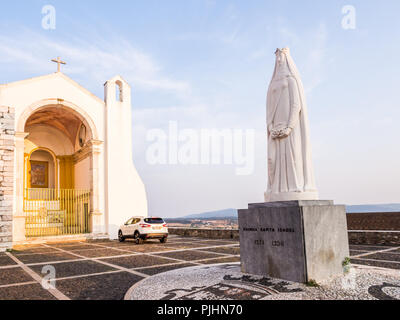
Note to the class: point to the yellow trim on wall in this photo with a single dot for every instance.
(67, 177)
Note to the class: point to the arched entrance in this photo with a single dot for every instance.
(58, 181)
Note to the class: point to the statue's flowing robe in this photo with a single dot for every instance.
(290, 172)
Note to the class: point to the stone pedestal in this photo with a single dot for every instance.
(294, 240)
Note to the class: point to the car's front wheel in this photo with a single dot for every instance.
(121, 237)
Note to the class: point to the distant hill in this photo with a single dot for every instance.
(232, 213)
(392, 207)
(227, 213)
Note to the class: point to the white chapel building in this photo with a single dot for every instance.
(66, 168)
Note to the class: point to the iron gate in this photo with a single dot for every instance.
(56, 212)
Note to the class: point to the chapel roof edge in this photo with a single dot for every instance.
(52, 75)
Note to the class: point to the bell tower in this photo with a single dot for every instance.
(125, 191)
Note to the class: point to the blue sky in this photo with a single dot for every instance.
(207, 64)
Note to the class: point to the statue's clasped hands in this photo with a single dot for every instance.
(281, 133)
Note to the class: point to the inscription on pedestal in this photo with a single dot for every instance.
(272, 242)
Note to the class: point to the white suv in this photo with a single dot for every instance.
(140, 229)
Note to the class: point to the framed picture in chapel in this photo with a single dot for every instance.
(39, 174)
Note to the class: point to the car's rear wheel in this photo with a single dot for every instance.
(138, 239)
(164, 240)
(121, 237)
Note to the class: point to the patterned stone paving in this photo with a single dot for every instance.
(226, 282)
(152, 271)
(13, 275)
(138, 261)
(220, 260)
(45, 257)
(376, 256)
(77, 268)
(5, 260)
(107, 269)
(27, 291)
(100, 270)
(99, 287)
(218, 282)
(226, 250)
(189, 255)
(99, 253)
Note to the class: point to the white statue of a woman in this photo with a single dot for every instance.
(290, 170)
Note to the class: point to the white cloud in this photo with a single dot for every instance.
(90, 59)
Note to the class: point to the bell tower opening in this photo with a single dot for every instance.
(119, 91)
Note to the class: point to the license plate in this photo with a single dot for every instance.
(157, 228)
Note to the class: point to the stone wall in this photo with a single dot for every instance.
(389, 221)
(384, 238)
(206, 233)
(376, 238)
(7, 133)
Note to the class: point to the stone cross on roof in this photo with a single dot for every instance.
(59, 63)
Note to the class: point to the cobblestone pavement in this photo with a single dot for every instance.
(105, 270)
(102, 270)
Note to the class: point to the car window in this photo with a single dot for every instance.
(135, 221)
(129, 221)
(154, 220)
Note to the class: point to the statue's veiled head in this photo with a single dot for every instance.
(282, 67)
(282, 52)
